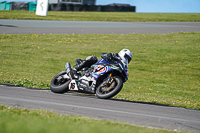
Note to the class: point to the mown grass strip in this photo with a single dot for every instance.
(14, 119)
(165, 67)
(103, 16)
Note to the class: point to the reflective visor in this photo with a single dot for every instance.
(127, 57)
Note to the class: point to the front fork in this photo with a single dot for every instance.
(69, 70)
(109, 80)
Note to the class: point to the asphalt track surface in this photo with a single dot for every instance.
(136, 113)
(89, 27)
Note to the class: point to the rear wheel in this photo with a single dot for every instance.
(59, 84)
(109, 89)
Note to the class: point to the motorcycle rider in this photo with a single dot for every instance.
(124, 57)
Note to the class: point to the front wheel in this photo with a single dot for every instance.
(108, 90)
(59, 84)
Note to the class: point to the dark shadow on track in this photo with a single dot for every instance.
(8, 25)
(112, 99)
(7, 84)
(118, 100)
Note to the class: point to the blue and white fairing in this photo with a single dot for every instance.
(101, 68)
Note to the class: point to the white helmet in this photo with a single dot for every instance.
(125, 55)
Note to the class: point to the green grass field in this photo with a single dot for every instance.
(165, 67)
(40, 121)
(103, 16)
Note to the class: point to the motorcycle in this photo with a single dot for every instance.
(104, 78)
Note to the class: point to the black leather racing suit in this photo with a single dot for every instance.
(90, 60)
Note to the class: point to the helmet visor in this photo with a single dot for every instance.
(127, 57)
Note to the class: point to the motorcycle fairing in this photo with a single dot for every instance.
(79, 85)
(102, 66)
(73, 85)
(100, 70)
(82, 84)
(102, 61)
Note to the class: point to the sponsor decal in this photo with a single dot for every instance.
(94, 75)
(84, 82)
(100, 69)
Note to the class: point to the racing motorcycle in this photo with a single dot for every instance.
(104, 78)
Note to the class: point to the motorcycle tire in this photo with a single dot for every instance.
(61, 87)
(114, 90)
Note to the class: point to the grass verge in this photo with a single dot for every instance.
(103, 16)
(32, 121)
(165, 67)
